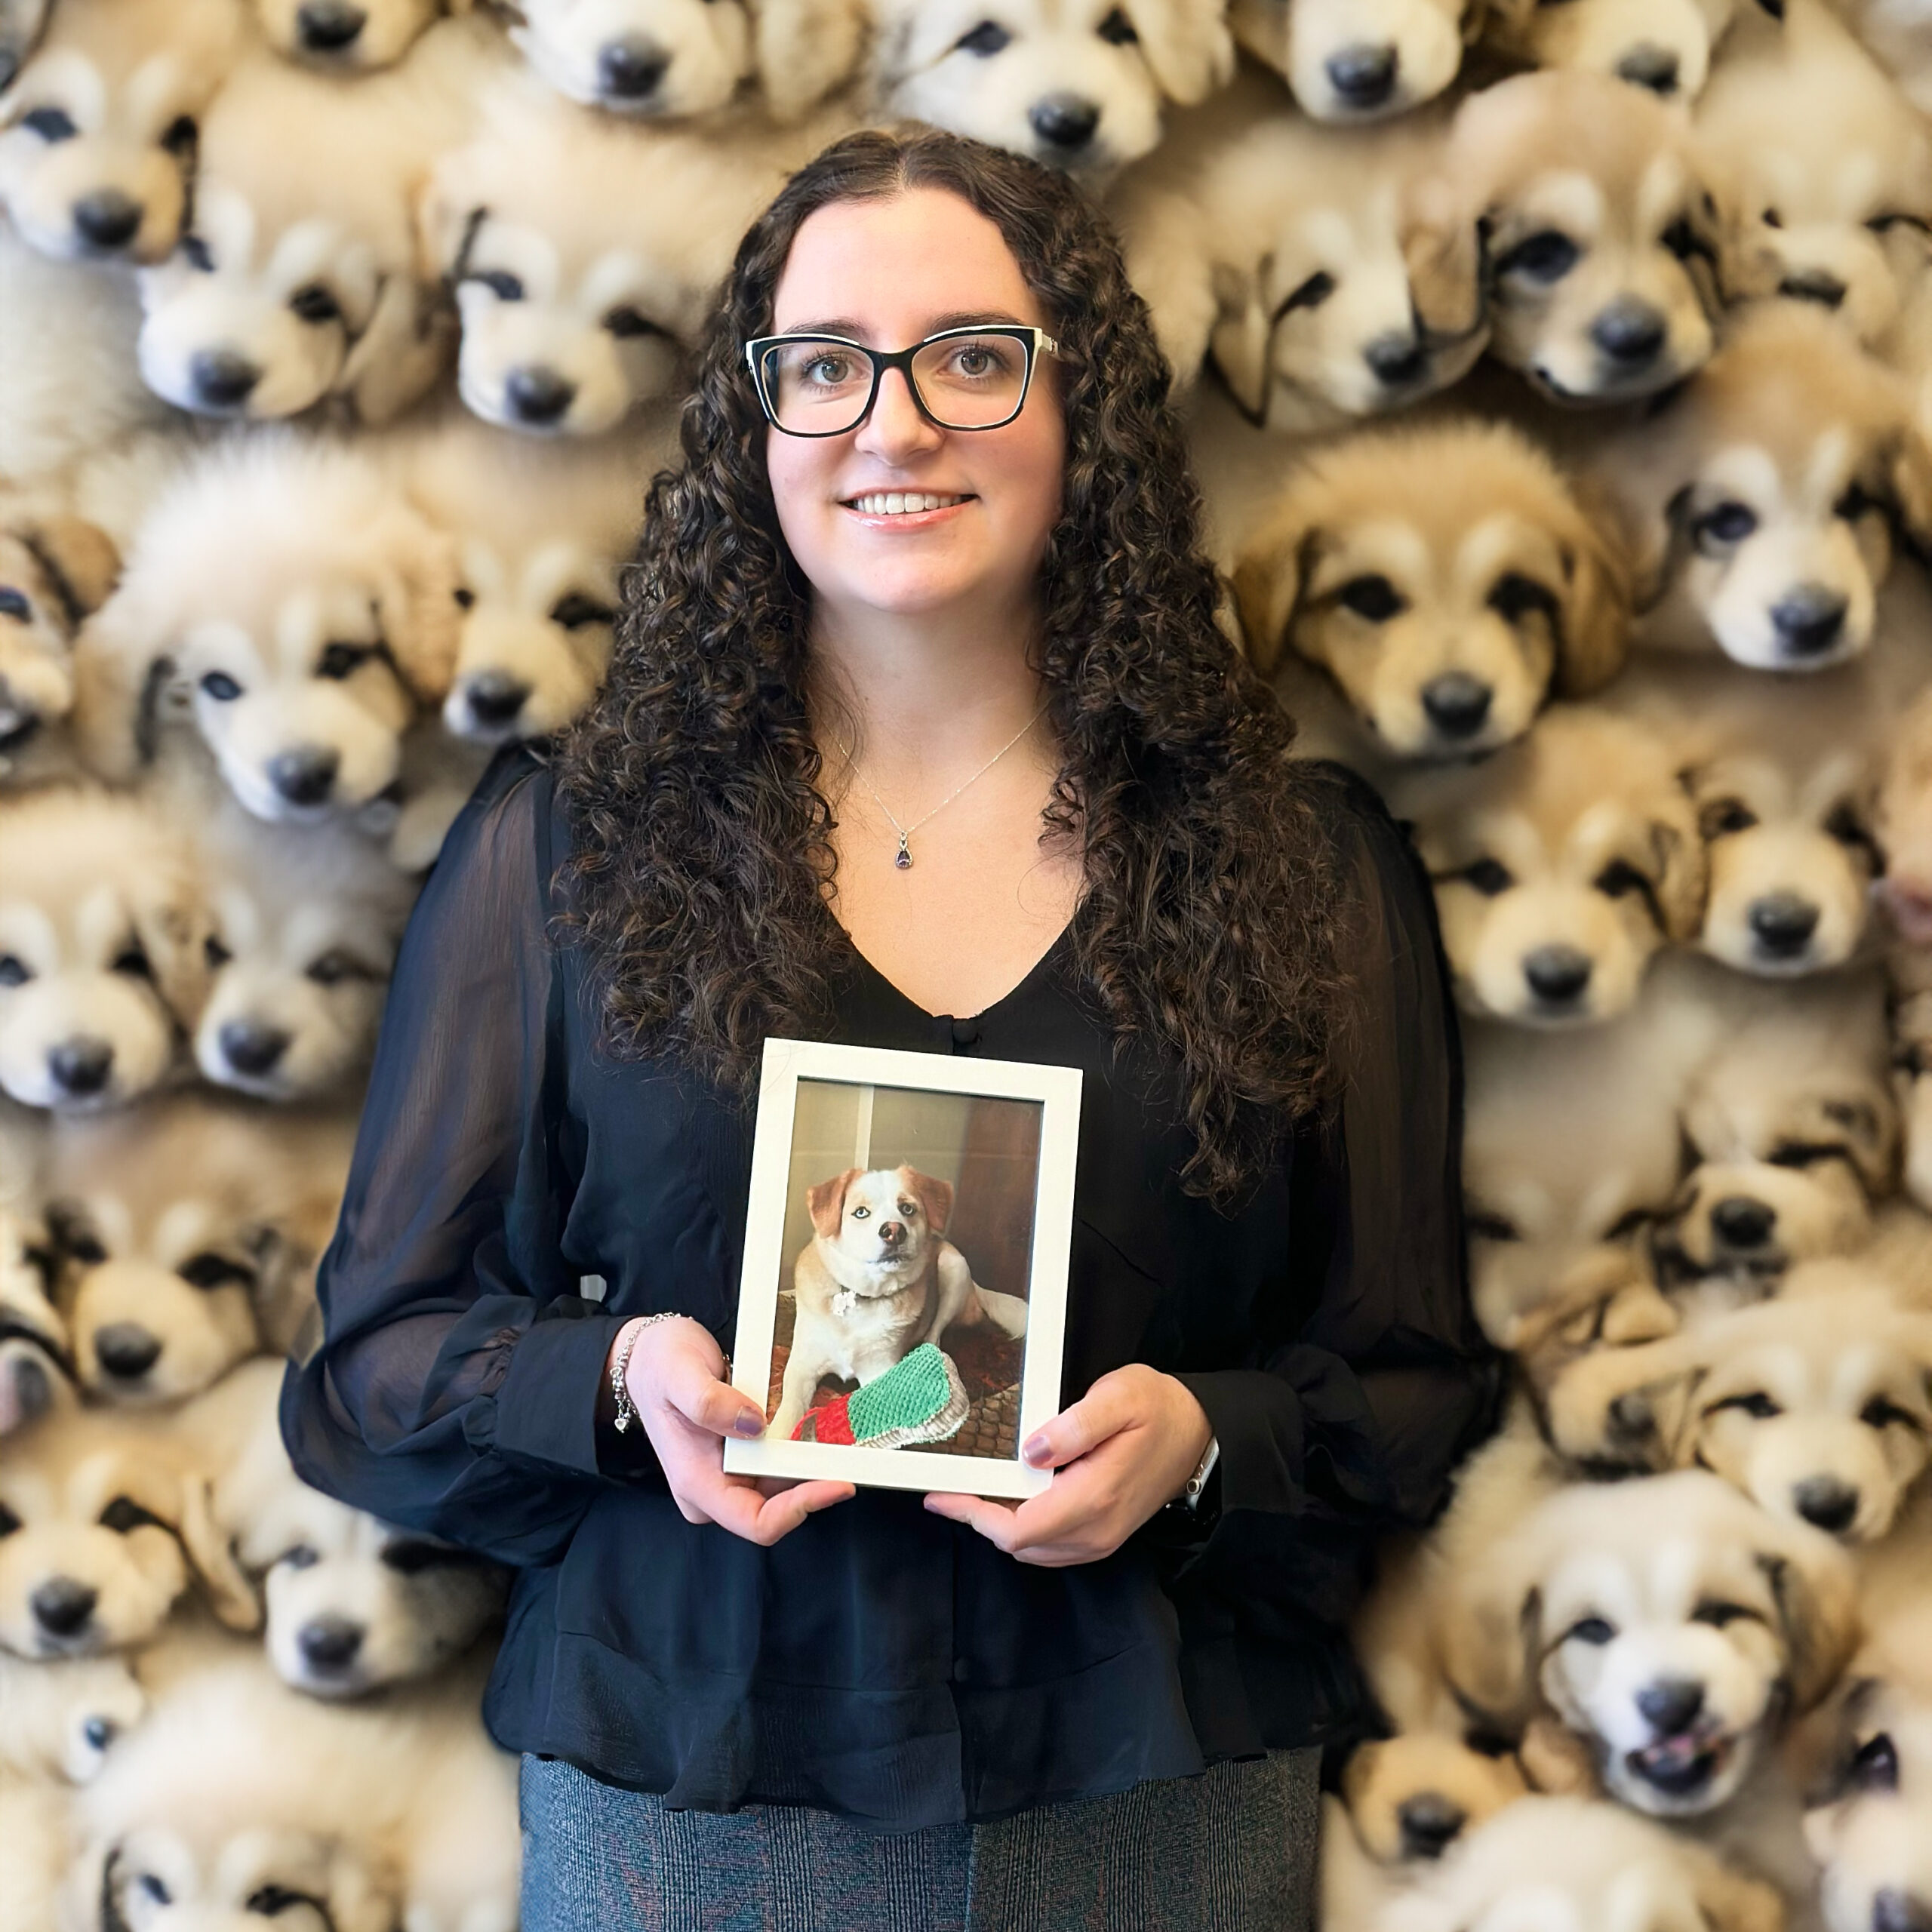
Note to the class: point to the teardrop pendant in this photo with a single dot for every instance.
(904, 860)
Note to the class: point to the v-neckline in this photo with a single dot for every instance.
(1013, 993)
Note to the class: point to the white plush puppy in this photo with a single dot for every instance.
(303, 611)
(188, 1231)
(676, 58)
(101, 925)
(54, 569)
(1359, 59)
(1079, 85)
(297, 280)
(1665, 45)
(97, 131)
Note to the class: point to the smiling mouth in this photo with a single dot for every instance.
(1682, 1766)
(901, 503)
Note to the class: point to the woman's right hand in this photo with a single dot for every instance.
(675, 1377)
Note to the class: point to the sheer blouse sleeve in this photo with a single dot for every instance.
(1347, 1421)
(454, 1389)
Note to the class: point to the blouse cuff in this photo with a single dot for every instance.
(547, 1405)
(1257, 1419)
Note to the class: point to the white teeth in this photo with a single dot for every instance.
(900, 503)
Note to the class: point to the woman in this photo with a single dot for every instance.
(919, 711)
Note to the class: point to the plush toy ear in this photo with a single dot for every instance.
(1492, 1637)
(1815, 1588)
(231, 1595)
(121, 675)
(446, 219)
(1268, 580)
(1186, 44)
(1442, 251)
(1242, 337)
(1596, 621)
(805, 48)
(79, 562)
(422, 620)
(1910, 479)
(935, 1197)
(826, 1202)
(408, 342)
(1627, 1407)
(1683, 875)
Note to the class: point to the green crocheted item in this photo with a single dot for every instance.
(919, 1399)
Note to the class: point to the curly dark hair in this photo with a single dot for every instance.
(1210, 921)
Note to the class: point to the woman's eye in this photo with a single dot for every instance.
(830, 370)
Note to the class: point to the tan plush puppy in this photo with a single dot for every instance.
(97, 131)
(36, 1366)
(1759, 503)
(1664, 45)
(1561, 864)
(1080, 84)
(188, 1231)
(1597, 235)
(351, 37)
(54, 569)
(673, 59)
(1448, 616)
(1358, 59)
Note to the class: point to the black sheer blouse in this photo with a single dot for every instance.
(880, 1662)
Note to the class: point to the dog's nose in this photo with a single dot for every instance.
(1363, 76)
(1826, 1502)
(107, 218)
(81, 1066)
(494, 698)
(1630, 331)
(329, 1643)
(1895, 1911)
(891, 1233)
(1650, 66)
(1738, 1221)
(1782, 923)
(327, 26)
(61, 1607)
(126, 1350)
(1814, 285)
(631, 69)
(1671, 1704)
(1428, 1822)
(251, 1048)
(220, 378)
(1809, 619)
(1557, 973)
(1457, 703)
(1064, 121)
(305, 774)
(1396, 360)
(538, 395)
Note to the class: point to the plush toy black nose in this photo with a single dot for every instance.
(126, 1350)
(329, 1643)
(1738, 1221)
(107, 218)
(537, 395)
(1064, 121)
(1814, 285)
(1557, 973)
(327, 26)
(80, 1066)
(1630, 332)
(1428, 1822)
(1396, 360)
(1650, 66)
(221, 379)
(1670, 1705)
(61, 1606)
(1457, 703)
(1782, 923)
(1826, 1502)
(1809, 619)
(631, 69)
(249, 1047)
(1894, 1911)
(304, 774)
(1364, 76)
(891, 1233)
(495, 697)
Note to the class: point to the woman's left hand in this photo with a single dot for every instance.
(1126, 1447)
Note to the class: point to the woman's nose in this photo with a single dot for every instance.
(896, 429)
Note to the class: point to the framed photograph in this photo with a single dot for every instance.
(903, 1302)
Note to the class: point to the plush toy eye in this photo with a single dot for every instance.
(1882, 1412)
(331, 968)
(195, 252)
(1756, 1405)
(1857, 501)
(625, 322)
(987, 39)
(1489, 876)
(1772, 219)
(13, 970)
(210, 1270)
(862, 1214)
(1723, 816)
(299, 1556)
(339, 660)
(574, 610)
(1874, 1765)
(220, 686)
(51, 123)
(1718, 1614)
(1117, 28)
(272, 1900)
(1620, 878)
(504, 286)
(466, 597)
(1309, 294)
(315, 303)
(156, 1890)
(100, 1732)
(14, 603)
(1548, 255)
(1729, 523)
(1514, 596)
(1591, 1630)
(83, 1247)
(1374, 598)
(215, 953)
(124, 1514)
(181, 135)
(9, 1522)
(1684, 241)
(1486, 1226)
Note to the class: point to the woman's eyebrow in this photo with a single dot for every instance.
(961, 318)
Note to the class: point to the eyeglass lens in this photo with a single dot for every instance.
(966, 382)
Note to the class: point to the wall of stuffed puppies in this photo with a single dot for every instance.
(1560, 377)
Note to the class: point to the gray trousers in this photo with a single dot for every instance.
(1233, 1850)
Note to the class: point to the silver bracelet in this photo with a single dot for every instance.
(620, 1363)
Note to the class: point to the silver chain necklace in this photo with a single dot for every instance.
(903, 859)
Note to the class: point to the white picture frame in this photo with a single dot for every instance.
(771, 1253)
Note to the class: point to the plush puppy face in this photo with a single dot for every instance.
(1575, 202)
(63, 1713)
(1410, 1796)
(54, 570)
(187, 1232)
(1760, 503)
(885, 1221)
(1447, 618)
(36, 1366)
(1664, 45)
(1670, 1624)
(1078, 84)
(1358, 59)
(97, 131)
(349, 36)
(157, 1880)
(302, 608)
(1560, 866)
(102, 921)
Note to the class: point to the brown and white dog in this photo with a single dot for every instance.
(878, 1278)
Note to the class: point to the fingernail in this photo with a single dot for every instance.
(749, 1422)
(1038, 1449)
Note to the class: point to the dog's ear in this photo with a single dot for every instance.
(935, 1197)
(1625, 1407)
(422, 620)
(803, 49)
(1187, 46)
(1815, 1589)
(121, 675)
(445, 219)
(1683, 873)
(230, 1593)
(826, 1202)
(1596, 620)
(409, 340)
(1241, 340)
(1442, 251)
(1268, 575)
(79, 561)
(1731, 1902)
(1910, 476)
(1492, 1635)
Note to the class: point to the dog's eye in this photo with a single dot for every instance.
(862, 1214)
(1718, 1614)
(1546, 256)
(987, 39)
(210, 1270)
(1374, 598)
(504, 286)
(156, 1890)
(124, 1514)
(181, 135)
(13, 604)
(13, 970)
(1117, 28)
(574, 610)
(1757, 1405)
(100, 1732)
(1884, 224)
(909, 1209)
(1486, 1226)
(1684, 241)
(9, 1522)
(1514, 596)
(466, 597)
(1845, 825)
(1620, 878)
(132, 960)
(1772, 219)
(271, 1899)
(1591, 1630)
(194, 251)
(624, 322)
(300, 1556)
(215, 953)
(1309, 294)
(83, 1247)
(1803, 1153)
(335, 966)
(1489, 876)
(339, 660)
(409, 1556)
(1728, 523)
(315, 303)
(1722, 816)
(1874, 1765)
(51, 123)
(1857, 501)
(1882, 1412)
(220, 686)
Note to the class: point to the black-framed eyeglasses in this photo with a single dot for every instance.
(973, 378)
